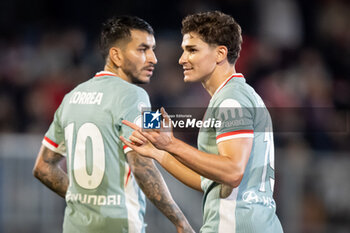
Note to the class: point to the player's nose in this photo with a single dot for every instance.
(182, 59)
(152, 57)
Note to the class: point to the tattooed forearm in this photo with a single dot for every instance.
(152, 184)
(48, 171)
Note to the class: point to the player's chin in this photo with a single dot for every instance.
(189, 79)
(145, 79)
(141, 80)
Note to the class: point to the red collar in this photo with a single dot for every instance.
(105, 73)
(237, 75)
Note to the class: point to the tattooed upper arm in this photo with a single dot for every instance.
(45, 157)
(139, 162)
(153, 185)
(48, 171)
(146, 174)
(50, 156)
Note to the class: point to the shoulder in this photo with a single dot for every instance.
(132, 95)
(117, 87)
(234, 94)
(134, 92)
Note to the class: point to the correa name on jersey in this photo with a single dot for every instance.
(81, 97)
(93, 199)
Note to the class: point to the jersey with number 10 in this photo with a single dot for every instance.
(103, 195)
(250, 207)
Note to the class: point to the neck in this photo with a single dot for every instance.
(220, 74)
(111, 67)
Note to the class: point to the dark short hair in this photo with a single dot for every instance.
(216, 28)
(119, 28)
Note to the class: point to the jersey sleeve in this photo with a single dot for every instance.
(235, 114)
(54, 137)
(132, 106)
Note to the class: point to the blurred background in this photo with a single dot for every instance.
(296, 54)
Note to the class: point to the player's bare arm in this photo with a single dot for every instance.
(152, 184)
(142, 146)
(49, 172)
(227, 168)
(180, 171)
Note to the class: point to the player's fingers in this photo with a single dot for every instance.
(130, 124)
(126, 142)
(138, 134)
(149, 136)
(136, 140)
(165, 116)
(156, 130)
(150, 131)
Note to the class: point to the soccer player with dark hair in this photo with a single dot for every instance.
(234, 162)
(102, 187)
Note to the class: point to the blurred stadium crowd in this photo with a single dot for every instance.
(293, 55)
(296, 54)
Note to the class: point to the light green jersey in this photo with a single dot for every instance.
(250, 207)
(103, 195)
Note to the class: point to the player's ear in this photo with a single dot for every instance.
(115, 54)
(221, 53)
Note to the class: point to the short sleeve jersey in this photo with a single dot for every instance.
(103, 195)
(250, 207)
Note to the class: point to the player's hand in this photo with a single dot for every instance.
(141, 145)
(161, 139)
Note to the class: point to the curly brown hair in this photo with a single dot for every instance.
(216, 28)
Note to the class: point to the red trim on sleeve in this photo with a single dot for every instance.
(127, 178)
(234, 133)
(51, 142)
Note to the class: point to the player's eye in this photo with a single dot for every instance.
(142, 49)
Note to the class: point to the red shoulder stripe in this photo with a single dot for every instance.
(51, 142)
(234, 133)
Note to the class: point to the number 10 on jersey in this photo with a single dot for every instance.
(78, 158)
